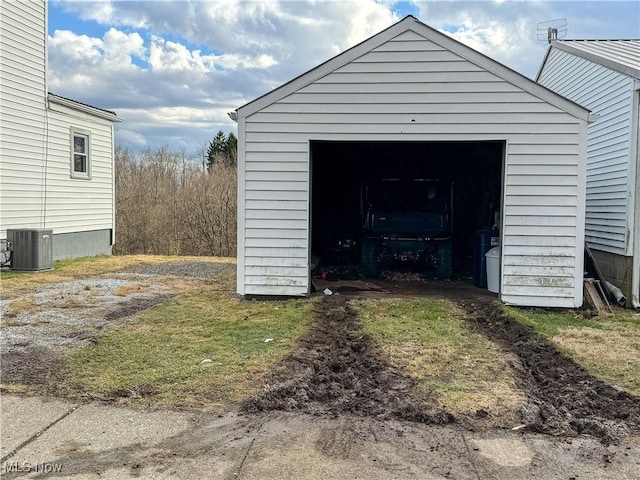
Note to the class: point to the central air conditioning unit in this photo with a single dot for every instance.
(32, 249)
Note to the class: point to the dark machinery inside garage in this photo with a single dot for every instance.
(409, 205)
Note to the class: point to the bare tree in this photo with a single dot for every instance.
(167, 204)
(200, 154)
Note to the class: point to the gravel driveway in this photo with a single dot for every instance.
(69, 314)
(37, 325)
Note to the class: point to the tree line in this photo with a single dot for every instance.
(169, 204)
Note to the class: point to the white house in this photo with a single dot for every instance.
(56, 154)
(604, 76)
(412, 98)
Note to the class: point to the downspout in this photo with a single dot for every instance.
(635, 167)
(113, 187)
(240, 242)
(581, 208)
(45, 98)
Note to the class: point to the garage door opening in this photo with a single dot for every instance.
(396, 206)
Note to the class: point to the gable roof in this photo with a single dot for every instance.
(410, 23)
(620, 55)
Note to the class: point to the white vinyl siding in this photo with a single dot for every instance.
(412, 89)
(22, 109)
(78, 204)
(609, 94)
(37, 190)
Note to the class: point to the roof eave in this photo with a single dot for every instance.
(81, 107)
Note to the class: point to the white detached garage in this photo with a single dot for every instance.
(413, 99)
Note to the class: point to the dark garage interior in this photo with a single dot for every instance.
(349, 177)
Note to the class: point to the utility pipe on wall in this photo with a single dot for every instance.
(635, 145)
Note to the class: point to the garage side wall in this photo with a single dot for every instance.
(412, 89)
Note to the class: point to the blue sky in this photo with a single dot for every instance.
(173, 69)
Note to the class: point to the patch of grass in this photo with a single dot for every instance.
(18, 306)
(429, 340)
(127, 290)
(16, 389)
(163, 351)
(609, 355)
(608, 347)
(551, 322)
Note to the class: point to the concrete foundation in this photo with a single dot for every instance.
(82, 244)
(616, 269)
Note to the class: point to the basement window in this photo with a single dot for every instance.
(80, 154)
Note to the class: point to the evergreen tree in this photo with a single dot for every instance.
(223, 149)
(231, 149)
(217, 149)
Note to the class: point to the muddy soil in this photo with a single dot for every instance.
(136, 306)
(337, 369)
(39, 366)
(562, 397)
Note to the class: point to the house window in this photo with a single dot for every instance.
(80, 154)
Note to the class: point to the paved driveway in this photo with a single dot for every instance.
(44, 438)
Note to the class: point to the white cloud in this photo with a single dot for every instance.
(237, 62)
(167, 55)
(121, 47)
(494, 38)
(178, 116)
(504, 31)
(365, 19)
(130, 138)
(115, 48)
(75, 48)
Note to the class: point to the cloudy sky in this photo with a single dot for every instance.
(173, 69)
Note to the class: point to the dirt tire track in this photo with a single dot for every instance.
(33, 366)
(337, 369)
(562, 397)
(137, 305)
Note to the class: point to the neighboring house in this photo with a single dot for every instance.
(411, 97)
(604, 76)
(56, 164)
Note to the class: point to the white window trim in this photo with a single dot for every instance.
(85, 133)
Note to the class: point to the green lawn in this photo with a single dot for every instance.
(163, 351)
(607, 346)
(430, 341)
